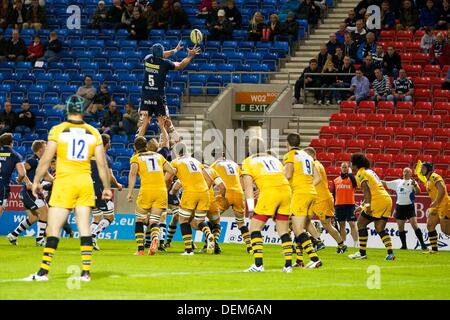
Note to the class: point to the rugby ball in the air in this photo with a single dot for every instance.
(196, 36)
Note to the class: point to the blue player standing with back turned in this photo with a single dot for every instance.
(156, 67)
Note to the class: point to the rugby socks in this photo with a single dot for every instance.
(402, 235)
(216, 229)
(94, 226)
(186, 232)
(286, 243)
(257, 246)
(41, 226)
(386, 241)
(154, 231)
(307, 246)
(148, 236)
(419, 236)
(205, 229)
(102, 225)
(171, 232)
(86, 254)
(25, 224)
(363, 237)
(246, 235)
(139, 233)
(433, 236)
(162, 233)
(47, 256)
(298, 251)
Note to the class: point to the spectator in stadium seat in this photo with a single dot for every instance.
(5, 9)
(332, 43)
(308, 10)
(164, 15)
(212, 13)
(403, 88)
(16, 50)
(444, 18)
(366, 48)
(440, 51)
(328, 80)
(100, 17)
(360, 87)
(409, 17)
(378, 57)
(179, 19)
(52, 49)
(87, 92)
(308, 81)
(17, 16)
(203, 9)
(7, 119)
(350, 21)
(36, 16)
(360, 32)
(288, 7)
(427, 40)
(25, 120)
(151, 16)
(340, 34)
(130, 119)
(255, 27)
(35, 49)
(138, 27)
(3, 47)
(110, 122)
(289, 30)
(446, 83)
(114, 15)
(387, 16)
(125, 20)
(338, 58)
(323, 57)
(344, 81)
(381, 87)
(368, 68)
(274, 27)
(392, 62)
(361, 8)
(349, 47)
(233, 14)
(221, 29)
(429, 15)
(100, 101)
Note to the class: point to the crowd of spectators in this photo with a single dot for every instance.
(357, 50)
(21, 122)
(20, 14)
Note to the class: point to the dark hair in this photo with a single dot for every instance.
(87, 76)
(360, 161)
(6, 139)
(313, 61)
(105, 139)
(140, 144)
(293, 139)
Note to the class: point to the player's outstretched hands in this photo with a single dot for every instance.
(107, 194)
(36, 189)
(179, 46)
(194, 51)
(130, 197)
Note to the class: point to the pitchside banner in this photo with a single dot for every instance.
(254, 101)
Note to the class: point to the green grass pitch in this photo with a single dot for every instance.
(118, 274)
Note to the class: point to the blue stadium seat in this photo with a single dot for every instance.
(246, 46)
(30, 137)
(207, 67)
(249, 78)
(44, 78)
(229, 67)
(27, 78)
(235, 57)
(253, 57)
(243, 67)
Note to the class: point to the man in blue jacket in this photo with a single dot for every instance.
(429, 15)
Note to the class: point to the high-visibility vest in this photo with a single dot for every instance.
(344, 191)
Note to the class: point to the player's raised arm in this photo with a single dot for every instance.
(132, 180)
(169, 53)
(100, 159)
(191, 53)
(43, 166)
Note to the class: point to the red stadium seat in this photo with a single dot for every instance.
(431, 71)
(374, 146)
(393, 173)
(446, 177)
(342, 157)
(365, 133)
(412, 147)
(345, 132)
(404, 107)
(328, 132)
(423, 158)
(446, 121)
(326, 158)
(413, 120)
(441, 95)
(445, 149)
(393, 146)
(387, 35)
(354, 146)
(319, 145)
(335, 145)
(432, 148)
(338, 119)
(383, 160)
(432, 121)
(423, 108)
(379, 171)
(441, 108)
(357, 119)
(404, 35)
(348, 106)
(422, 95)
(420, 58)
(442, 162)
(442, 134)
(386, 107)
(375, 120)
(413, 70)
(332, 172)
(422, 83)
(403, 134)
(366, 107)
(402, 160)
(436, 82)
(439, 171)
(406, 58)
(445, 70)
(394, 120)
(384, 133)
(423, 134)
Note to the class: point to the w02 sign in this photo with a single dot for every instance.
(254, 101)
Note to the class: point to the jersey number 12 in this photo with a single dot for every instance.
(77, 149)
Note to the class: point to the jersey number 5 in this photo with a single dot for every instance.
(151, 81)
